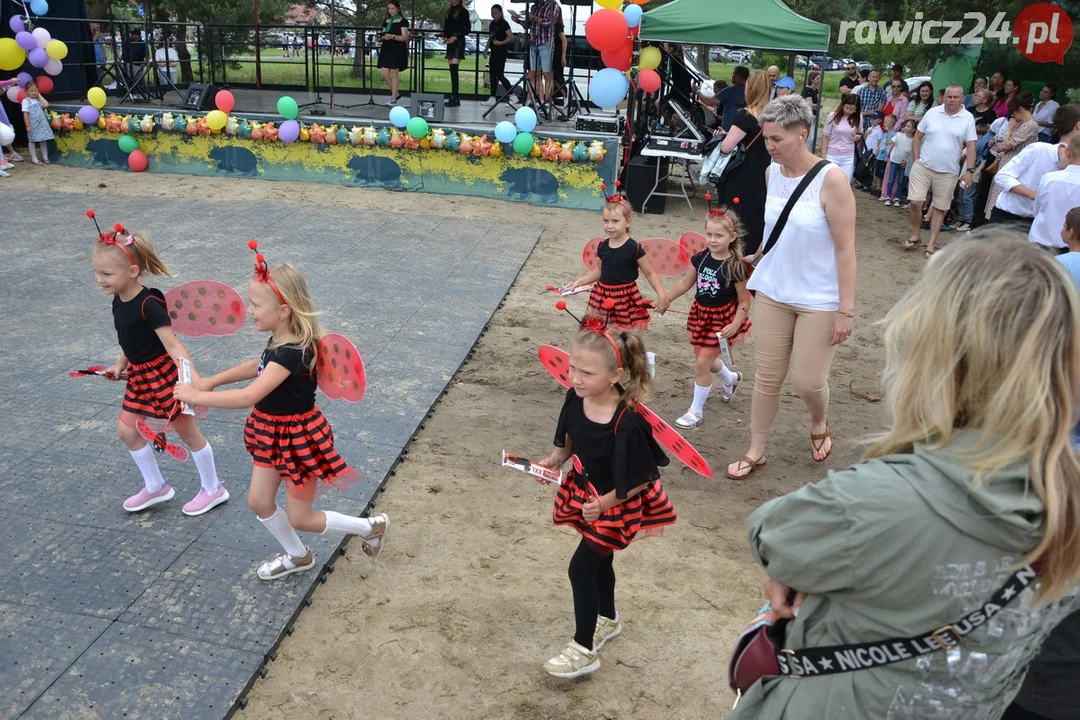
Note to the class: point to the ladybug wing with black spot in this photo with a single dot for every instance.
(557, 362)
(693, 243)
(205, 307)
(668, 258)
(339, 369)
(588, 255)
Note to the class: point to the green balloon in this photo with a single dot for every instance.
(524, 143)
(417, 128)
(287, 108)
(128, 144)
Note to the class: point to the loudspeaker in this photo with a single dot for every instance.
(200, 97)
(429, 106)
(639, 181)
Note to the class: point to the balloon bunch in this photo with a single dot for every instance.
(17, 92)
(32, 43)
(416, 127)
(289, 131)
(612, 31)
(518, 134)
(217, 119)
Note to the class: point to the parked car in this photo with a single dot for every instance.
(914, 82)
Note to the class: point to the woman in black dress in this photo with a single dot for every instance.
(455, 30)
(747, 181)
(394, 54)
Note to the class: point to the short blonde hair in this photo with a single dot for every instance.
(790, 112)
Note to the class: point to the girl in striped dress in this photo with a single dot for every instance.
(286, 434)
(614, 491)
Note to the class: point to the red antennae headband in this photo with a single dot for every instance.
(720, 212)
(119, 237)
(262, 270)
(596, 325)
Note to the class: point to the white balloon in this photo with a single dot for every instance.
(54, 67)
(42, 36)
(7, 134)
(13, 93)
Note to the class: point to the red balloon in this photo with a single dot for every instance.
(606, 30)
(20, 97)
(137, 160)
(225, 101)
(635, 31)
(44, 84)
(649, 80)
(621, 59)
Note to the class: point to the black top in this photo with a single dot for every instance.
(498, 31)
(135, 52)
(557, 43)
(618, 455)
(618, 266)
(457, 23)
(846, 82)
(136, 320)
(296, 394)
(815, 95)
(394, 54)
(1049, 687)
(714, 287)
(747, 182)
(984, 117)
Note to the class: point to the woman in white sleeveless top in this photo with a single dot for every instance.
(805, 284)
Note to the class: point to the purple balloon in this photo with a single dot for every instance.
(89, 114)
(23, 78)
(38, 57)
(16, 24)
(26, 41)
(289, 131)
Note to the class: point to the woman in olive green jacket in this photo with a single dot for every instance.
(974, 478)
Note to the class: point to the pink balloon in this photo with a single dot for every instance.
(42, 36)
(649, 80)
(54, 67)
(13, 93)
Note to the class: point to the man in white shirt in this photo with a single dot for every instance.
(1059, 192)
(167, 59)
(1019, 179)
(945, 132)
(1044, 111)
(773, 74)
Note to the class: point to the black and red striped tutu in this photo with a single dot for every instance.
(629, 312)
(704, 322)
(149, 389)
(299, 447)
(649, 512)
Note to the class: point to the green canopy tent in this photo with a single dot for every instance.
(768, 25)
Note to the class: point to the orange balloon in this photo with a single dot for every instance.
(639, 2)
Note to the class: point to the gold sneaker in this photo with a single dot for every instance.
(280, 565)
(380, 525)
(606, 629)
(573, 662)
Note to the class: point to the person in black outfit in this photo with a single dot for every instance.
(394, 54)
(558, 61)
(498, 48)
(1049, 689)
(747, 181)
(455, 30)
(850, 81)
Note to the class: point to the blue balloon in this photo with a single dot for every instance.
(39, 7)
(526, 119)
(505, 132)
(399, 117)
(608, 87)
(632, 15)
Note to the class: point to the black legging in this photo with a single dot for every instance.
(497, 66)
(592, 578)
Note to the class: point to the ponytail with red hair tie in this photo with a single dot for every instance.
(262, 270)
(119, 237)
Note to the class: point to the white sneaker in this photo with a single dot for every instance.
(490, 101)
(4, 173)
(728, 391)
(573, 662)
(606, 629)
(888, 203)
(962, 227)
(689, 420)
(390, 103)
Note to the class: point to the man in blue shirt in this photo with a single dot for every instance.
(731, 98)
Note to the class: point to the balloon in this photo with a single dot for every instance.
(525, 117)
(13, 93)
(38, 57)
(633, 15)
(89, 114)
(7, 134)
(399, 117)
(606, 30)
(505, 132)
(650, 58)
(649, 80)
(127, 143)
(42, 37)
(39, 7)
(621, 59)
(287, 107)
(16, 24)
(45, 84)
(417, 127)
(639, 2)
(54, 67)
(608, 87)
(20, 97)
(289, 131)
(57, 49)
(96, 96)
(23, 78)
(224, 101)
(610, 4)
(215, 119)
(26, 41)
(524, 143)
(137, 160)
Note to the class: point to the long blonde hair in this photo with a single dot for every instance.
(987, 339)
(734, 268)
(303, 317)
(757, 93)
(636, 383)
(142, 252)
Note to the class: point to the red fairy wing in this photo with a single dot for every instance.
(144, 429)
(675, 443)
(588, 255)
(177, 452)
(693, 243)
(205, 307)
(668, 258)
(557, 363)
(339, 369)
(156, 425)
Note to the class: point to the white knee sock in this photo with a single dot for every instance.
(32, 146)
(726, 376)
(147, 463)
(204, 461)
(44, 151)
(338, 523)
(284, 533)
(701, 394)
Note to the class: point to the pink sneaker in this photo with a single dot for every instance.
(204, 502)
(145, 499)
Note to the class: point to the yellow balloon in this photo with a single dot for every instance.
(56, 49)
(215, 119)
(610, 4)
(650, 58)
(96, 96)
(11, 55)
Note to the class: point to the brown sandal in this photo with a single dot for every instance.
(751, 464)
(817, 441)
